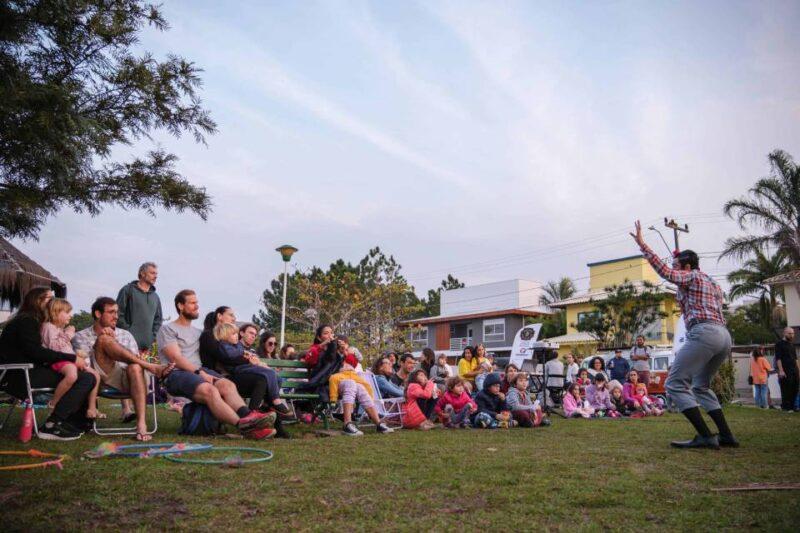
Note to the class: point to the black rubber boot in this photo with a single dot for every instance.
(697, 442)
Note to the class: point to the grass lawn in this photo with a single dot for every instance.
(598, 474)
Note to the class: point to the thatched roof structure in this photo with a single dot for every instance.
(19, 273)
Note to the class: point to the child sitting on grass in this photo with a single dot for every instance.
(493, 411)
(57, 335)
(574, 405)
(440, 372)
(583, 381)
(455, 405)
(618, 400)
(528, 414)
(649, 406)
(421, 394)
(599, 398)
(485, 368)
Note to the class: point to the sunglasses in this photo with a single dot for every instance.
(271, 343)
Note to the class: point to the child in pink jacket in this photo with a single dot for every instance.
(419, 391)
(574, 405)
(455, 405)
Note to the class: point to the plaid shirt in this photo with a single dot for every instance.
(698, 294)
(86, 338)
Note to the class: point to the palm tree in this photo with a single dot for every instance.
(557, 290)
(749, 280)
(773, 204)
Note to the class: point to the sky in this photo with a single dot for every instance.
(490, 140)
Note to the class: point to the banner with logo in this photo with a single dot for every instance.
(524, 342)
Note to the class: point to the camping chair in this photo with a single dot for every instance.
(110, 393)
(391, 410)
(29, 391)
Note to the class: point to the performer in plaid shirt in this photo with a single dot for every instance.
(708, 344)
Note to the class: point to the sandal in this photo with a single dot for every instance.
(143, 437)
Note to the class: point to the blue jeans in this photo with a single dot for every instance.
(760, 395)
(689, 381)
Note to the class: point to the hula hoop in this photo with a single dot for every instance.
(40, 455)
(145, 450)
(232, 461)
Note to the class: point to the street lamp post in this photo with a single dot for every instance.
(286, 252)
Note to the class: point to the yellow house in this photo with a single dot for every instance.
(614, 272)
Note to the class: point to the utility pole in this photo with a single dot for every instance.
(676, 228)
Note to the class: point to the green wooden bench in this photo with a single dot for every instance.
(293, 374)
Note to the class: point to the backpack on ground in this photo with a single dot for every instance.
(198, 420)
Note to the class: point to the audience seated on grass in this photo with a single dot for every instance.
(597, 366)
(440, 372)
(468, 368)
(57, 335)
(599, 398)
(493, 411)
(583, 381)
(617, 399)
(115, 355)
(574, 405)
(179, 344)
(382, 369)
(455, 406)
(508, 376)
(21, 343)
(527, 413)
(421, 395)
(260, 387)
(649, 404)
(407, 364)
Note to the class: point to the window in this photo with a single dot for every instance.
(587, 315)
(494, 330)
(420, 336)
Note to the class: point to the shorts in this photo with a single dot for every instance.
(183, 383)
(117, 378)
(56, 367)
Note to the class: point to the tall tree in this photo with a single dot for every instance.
(749, 281)
(627, 310)
(364, 301)
(773, 206)
(71, 90)
(557, 290)
(433, 303)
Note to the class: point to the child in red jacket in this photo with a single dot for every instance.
(419, 394)
(455, 405)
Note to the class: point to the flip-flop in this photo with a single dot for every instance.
(143, 437)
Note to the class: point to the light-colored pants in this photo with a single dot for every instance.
(760, 395)
(351, 391)
(688, 384)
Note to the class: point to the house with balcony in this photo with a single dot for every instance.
(606, 273)
(491, 314)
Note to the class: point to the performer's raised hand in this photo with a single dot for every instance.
(638, 235)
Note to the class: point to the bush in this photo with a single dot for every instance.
(724, 383)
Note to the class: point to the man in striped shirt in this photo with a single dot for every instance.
(708, 345)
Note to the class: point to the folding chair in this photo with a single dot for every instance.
(391, 410)
(29, 391)
(111, 393)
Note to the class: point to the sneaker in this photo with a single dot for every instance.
(53, 430)
(284, 411)
(351, 430)
(256, 420)
(261, 434)
(383, 428)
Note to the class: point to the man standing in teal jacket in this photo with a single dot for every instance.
(140, 314)
(140, 307)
